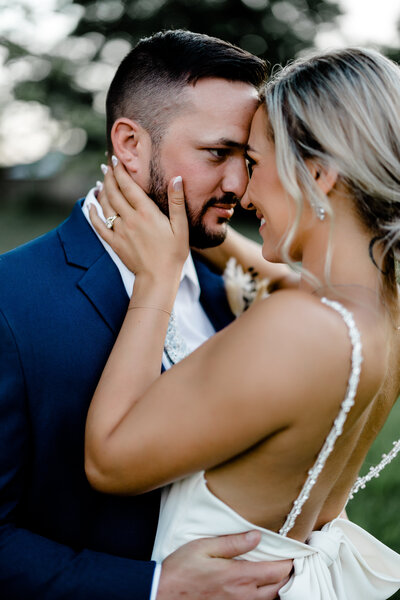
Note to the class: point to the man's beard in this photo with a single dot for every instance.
(199, 235)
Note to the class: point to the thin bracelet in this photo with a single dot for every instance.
(151, 307)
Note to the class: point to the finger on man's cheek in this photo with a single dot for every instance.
(123, 179)
(97, 223)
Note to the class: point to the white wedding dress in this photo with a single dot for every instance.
(339, 562)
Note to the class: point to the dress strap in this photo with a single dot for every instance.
(374, 471)
(337, 428)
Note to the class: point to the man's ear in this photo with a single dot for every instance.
(325, 176)
(132, 145)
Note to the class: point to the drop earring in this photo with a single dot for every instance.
(318, 208)
(320, 212)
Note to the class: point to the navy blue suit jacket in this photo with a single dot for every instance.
(62, 303)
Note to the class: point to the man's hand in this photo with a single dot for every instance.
(202, 570)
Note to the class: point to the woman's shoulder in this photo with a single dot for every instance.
(299, 315)
(318, 335)
(290, 332)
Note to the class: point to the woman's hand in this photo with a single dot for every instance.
(147, 241)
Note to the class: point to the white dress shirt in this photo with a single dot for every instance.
(191, 319)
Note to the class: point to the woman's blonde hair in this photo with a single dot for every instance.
(341, 108)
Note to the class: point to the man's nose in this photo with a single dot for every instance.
(235, 178)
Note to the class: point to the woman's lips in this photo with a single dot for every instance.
(262, 220)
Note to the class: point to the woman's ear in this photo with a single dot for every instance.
(325, 176)
(132, 145)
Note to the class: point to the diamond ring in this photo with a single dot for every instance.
(110, 221)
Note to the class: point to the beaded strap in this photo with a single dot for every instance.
(337, 428)
(375, 471)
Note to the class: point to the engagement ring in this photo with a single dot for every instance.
(110, 221)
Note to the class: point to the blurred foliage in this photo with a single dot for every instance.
(72, 78)
(376, 507)
(392, 53)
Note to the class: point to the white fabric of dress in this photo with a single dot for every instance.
(339, 562)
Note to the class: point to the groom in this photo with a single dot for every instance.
(180, 103)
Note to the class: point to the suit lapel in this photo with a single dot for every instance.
(100, 281)
(213, 296)
(102, 284)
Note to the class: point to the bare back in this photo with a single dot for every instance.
(262, 483)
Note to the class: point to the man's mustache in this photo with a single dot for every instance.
(229, 199)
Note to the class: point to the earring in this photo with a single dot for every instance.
(320, 212)
(317, 207)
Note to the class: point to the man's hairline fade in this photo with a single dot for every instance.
(164, 78)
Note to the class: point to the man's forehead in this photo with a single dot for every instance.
(214, 112)
(220, 111)
(210, 90)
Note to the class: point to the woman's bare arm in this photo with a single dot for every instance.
(248, 254)
(213, 405)
(144, 430)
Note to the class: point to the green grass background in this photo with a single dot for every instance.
(376, 508)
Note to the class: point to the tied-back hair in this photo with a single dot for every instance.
(149, 83)
(341, 108)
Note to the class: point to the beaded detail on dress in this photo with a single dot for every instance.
(374, 471)
(337, 428)
(175, 346)
(340, 561)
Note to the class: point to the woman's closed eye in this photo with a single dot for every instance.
(249, 164)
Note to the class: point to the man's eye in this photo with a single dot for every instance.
(218, 152)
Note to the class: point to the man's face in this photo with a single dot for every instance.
(205, 144)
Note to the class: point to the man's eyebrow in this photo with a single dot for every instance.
(228, 143)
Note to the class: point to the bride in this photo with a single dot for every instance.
(267, 424)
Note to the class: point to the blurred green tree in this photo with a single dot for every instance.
(71, 78)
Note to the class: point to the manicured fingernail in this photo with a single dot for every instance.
(99, 186)
(114, 160)
(177, 184)
(104, 168)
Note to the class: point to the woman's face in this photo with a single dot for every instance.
(265, 191)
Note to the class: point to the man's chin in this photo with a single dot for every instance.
(203, 238)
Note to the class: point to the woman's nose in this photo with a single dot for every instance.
(245, 201)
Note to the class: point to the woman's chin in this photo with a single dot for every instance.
(271, 255)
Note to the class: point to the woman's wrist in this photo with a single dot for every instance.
(151, 290)
(162, 310)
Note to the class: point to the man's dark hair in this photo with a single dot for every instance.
(150, 80)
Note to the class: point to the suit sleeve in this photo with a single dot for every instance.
(32, 566)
